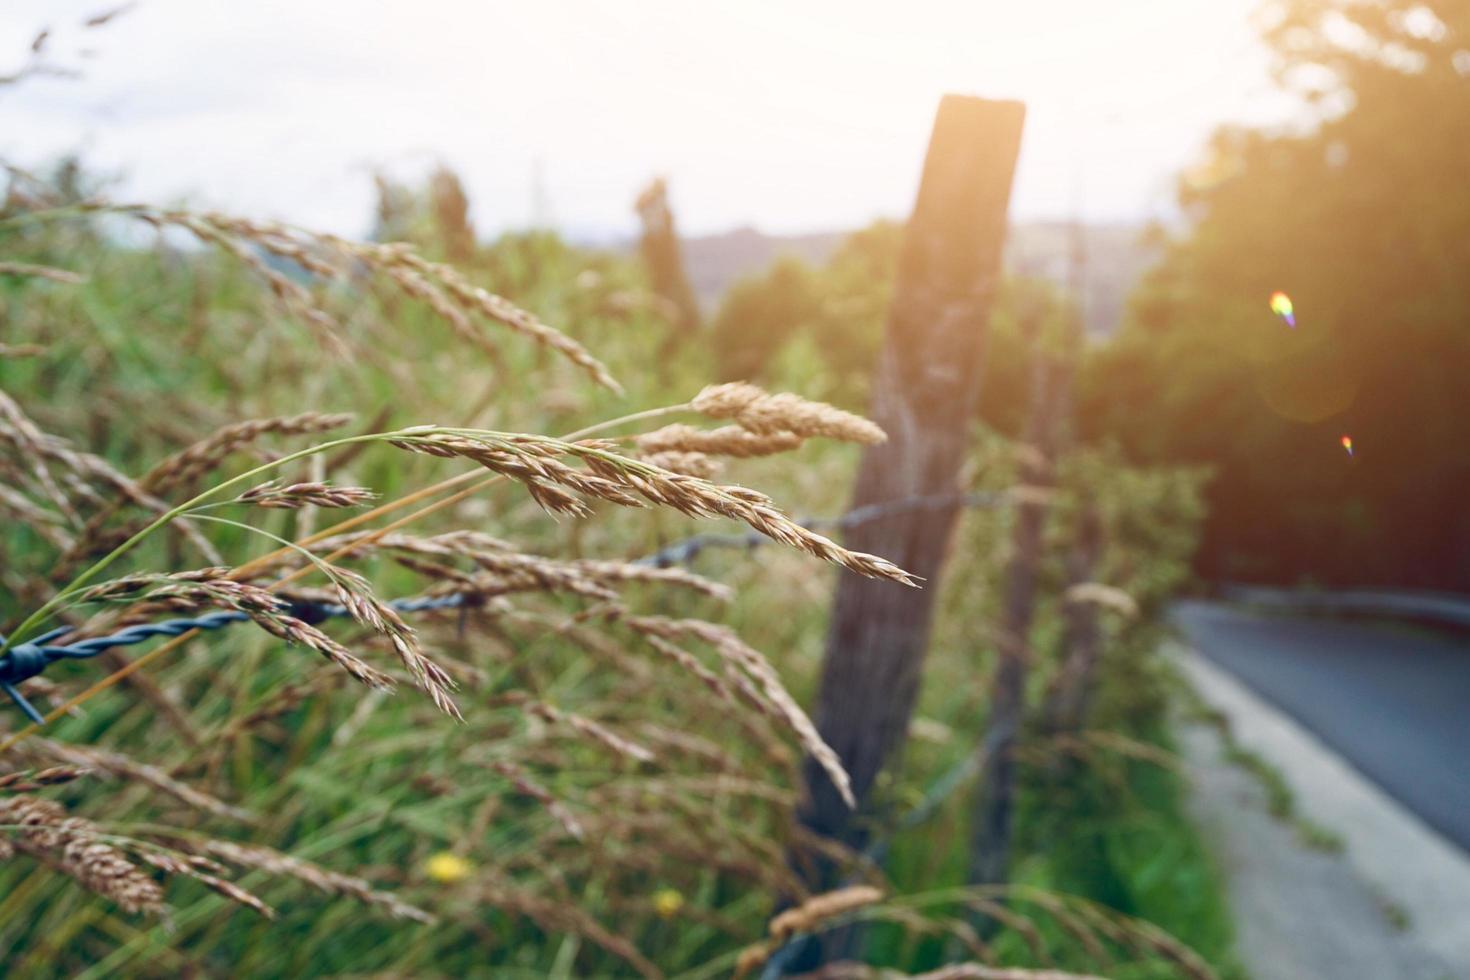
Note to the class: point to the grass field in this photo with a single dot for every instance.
(618, 800)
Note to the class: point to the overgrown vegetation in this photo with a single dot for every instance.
(613, 808)
(192, 405)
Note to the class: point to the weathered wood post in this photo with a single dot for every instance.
(990, 828)
(924, 395)
(1068, 699)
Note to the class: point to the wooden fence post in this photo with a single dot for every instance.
(663, 258)
(924, 395)
(1068, 699)
(990, 829)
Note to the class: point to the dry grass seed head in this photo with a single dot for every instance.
(687, 463)
(92, 758)
(535, 462)
(322, 879)
(728, 645)
(26, 781)
(523, 783)
(186, 466)
(765, 414)
(298, 495)
(728, 440)
(71, 846)
(818, 909)
(1107, 596)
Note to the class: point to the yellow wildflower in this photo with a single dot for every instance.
(667, 902)
(447, 868)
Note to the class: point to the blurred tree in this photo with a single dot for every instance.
(761, 313)
(1363, 217)
(435, 217)
(839, 308)
(395, 210)
(662, 256)
(451, 207)
(856, 291)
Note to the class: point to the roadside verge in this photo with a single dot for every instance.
(1305, 913)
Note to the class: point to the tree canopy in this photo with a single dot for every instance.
(1359, 214)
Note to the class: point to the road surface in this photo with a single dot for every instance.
(1393, 700)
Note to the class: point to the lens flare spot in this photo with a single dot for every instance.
(1310, 385)
(1281, 306)
(1347, 443)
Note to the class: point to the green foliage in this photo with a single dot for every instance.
(1106, 819)
(760, 314)
(1280, 800)
(1359, 219)
(838, 309)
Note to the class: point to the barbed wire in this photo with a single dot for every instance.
(26, 660)
(686, 550)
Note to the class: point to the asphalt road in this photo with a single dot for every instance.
(1394, 700)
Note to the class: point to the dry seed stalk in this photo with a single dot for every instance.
(512, 571)
(330, 882)
(728, 645)
(728, 440)
(48, 524)
(71, 845)
(591, 729)
(804, 918)
(1107, 596)
(366, 608)
(208, 587)
(765, 414)
(553, 916)
(183, 469)
(498, 308)
(687, 463)
(525, 784)
(92, 758)
(447, 292)
(298, 495)
(295, 631)
(199, 869)
(536, 462)
(27, 781)
(41, 272)
(186, 466)
(81, 470)
(818, 909)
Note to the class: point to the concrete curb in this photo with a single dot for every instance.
(1419, 870)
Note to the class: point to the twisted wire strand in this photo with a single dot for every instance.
(687, 549)
(26, 660)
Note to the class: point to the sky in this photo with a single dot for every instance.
(788, 116)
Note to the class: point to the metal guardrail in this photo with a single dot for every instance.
(1446, 608)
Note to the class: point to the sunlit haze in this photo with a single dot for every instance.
(789, 117)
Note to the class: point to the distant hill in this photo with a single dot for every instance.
(1116, 259)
